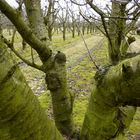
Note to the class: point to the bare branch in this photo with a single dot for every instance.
(79, 4)
(10, 45)
(95, 8)
(94, 24)
(41, 47)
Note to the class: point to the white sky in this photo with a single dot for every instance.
(14, 4)
(99, 2)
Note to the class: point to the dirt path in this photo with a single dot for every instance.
(75, 53)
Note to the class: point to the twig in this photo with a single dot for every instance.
(94, 24)
(10, 45)
(32, 55)
(85, 43)
(88, 49)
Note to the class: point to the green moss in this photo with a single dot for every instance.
(135, 125)
(44, 99)
(80, 106)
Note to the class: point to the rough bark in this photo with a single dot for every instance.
(55, 76)
(41, 47)
(61, 99)
(21, 117)
(35, 18)
(115, 88)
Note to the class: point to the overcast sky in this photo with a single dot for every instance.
(98, 2)
(14, 4)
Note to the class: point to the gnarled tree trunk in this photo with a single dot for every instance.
(21, 117)
(115, 88)
(55, 73)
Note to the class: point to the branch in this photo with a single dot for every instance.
(94, 24)
(105, 28)
(131, 24)
(10, 45)
(95, 8)
(41, 48)
(79, 4)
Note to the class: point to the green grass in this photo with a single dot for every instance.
(80, 79)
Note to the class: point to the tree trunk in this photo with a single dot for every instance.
(88, 28)
(35, 18)
(115, 87)
(55, 76)
(73, 29)
(64, 30)
(61, 99)
(116, 32)
(21, 117)
(83, 29)
(49, 18)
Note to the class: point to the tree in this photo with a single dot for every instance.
(116, 86)
(63, 21)
(49, 18)
(119, 86)
(115, 26)
(53, 66)
(115, 29)
(21, 116)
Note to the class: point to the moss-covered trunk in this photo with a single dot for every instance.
(116, 88)
(21, 117)
(56, 80)
(55, 74)
(116, 31)
(35, 17)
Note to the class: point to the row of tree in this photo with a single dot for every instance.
(117, 85)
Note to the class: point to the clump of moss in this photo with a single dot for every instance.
(44, 100)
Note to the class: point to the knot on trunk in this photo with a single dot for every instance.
(52, 81)
(60, 57)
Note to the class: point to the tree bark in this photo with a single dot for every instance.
(56, 80)
(21, 117)
(116, 87)
(42, 48)
(55, 75)
(35, 17)
(50, 18)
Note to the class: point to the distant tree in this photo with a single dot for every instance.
(117, 85)
(63, 17)
(50, 18)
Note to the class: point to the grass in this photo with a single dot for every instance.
(80, 79)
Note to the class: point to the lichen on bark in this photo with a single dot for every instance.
(119, 87)
(21, 117)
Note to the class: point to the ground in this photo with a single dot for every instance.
(81, 70)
